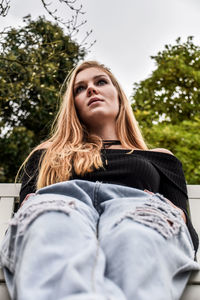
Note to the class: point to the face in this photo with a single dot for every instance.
(95, 96)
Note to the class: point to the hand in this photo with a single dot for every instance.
(172, 204)
(181, 211)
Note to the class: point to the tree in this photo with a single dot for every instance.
(167, 105)
(183, 140)
(34, 60)
(172, 91)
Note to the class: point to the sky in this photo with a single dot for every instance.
(128, 32)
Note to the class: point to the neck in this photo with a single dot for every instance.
(106, 132)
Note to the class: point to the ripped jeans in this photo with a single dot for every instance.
(81, 240)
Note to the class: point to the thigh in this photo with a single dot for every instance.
(151, 211)
(145, 241)
(72, 217)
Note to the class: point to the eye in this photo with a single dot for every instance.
(79, 89)
(101, 82)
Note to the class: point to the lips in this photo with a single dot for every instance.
(92, 100)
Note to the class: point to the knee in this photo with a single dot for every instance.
(130, 232)
(48, 224)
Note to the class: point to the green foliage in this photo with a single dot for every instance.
(34, 60)
(14, 147)
(173, 89)
(183, 140)
(167, 105)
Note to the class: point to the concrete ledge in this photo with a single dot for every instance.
(4, 292)
(192, 292)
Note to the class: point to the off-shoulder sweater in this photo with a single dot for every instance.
(157, 172)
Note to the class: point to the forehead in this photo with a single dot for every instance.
(89, 74)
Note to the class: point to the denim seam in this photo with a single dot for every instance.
(95, 195)
(95, 203)
(8, 262)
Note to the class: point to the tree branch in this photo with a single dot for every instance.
(4, 7)
(72, 25)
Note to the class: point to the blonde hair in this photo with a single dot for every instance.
(71, 148)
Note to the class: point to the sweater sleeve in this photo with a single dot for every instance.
(173, 187)
(30, 174)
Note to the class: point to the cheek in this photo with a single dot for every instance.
(77, 107)
(115, 99)
(77, 103)
(117, 106)
(80, 109)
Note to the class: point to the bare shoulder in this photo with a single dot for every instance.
(162, 150)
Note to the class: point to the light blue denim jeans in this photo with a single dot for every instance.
(81, 240)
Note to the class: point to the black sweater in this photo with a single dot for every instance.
(157, 172)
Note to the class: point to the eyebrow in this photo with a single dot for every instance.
(95, 77)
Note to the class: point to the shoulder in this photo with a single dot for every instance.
(37, 154)
(39, 151)
(161, 157)
(163, 150)
(33, 159)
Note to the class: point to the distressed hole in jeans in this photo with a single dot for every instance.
(28, 214)
(157, 215)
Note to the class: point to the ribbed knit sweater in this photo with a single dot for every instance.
(157, 172)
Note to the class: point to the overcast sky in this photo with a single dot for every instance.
(128, 32)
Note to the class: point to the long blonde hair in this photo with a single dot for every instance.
(71, 147)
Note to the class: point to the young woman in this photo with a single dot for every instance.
(102, 217)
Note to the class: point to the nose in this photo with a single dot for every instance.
(91, 90)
